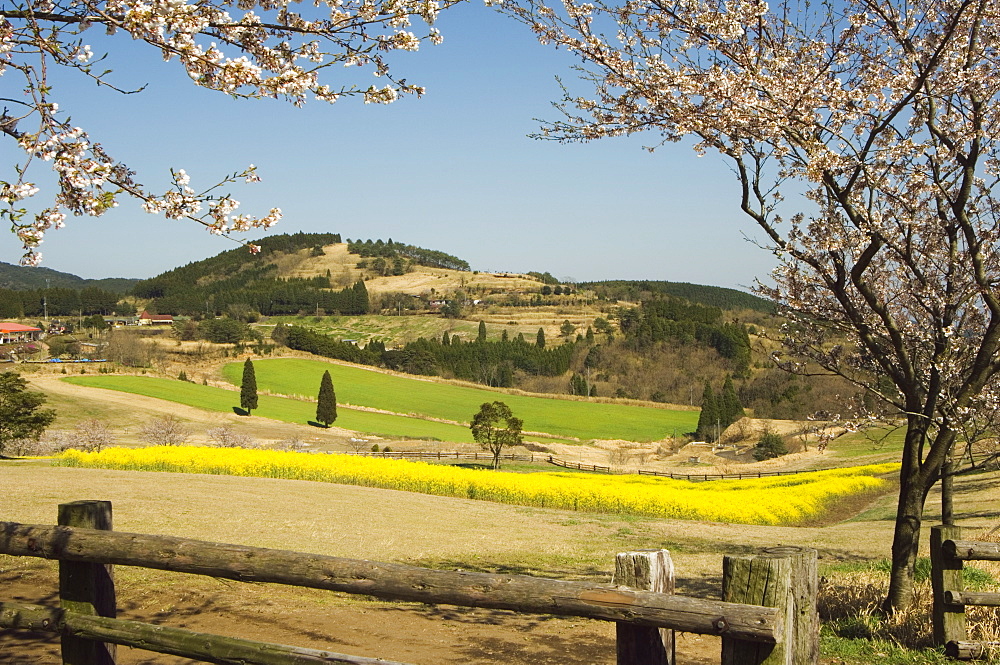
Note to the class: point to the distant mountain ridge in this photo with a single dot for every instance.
(23, 278)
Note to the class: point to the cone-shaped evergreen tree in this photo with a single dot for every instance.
(361, 302)
(730, 408)
(482, 331)
(540, 339)
(445, 339)
(248, 388)
(326, 408)
(709, 415)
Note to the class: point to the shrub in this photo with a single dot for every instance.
(770, 445)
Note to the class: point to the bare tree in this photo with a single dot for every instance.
(129, 349)
(881, 119)
(166, 430)
(226, 436)
(92, 435)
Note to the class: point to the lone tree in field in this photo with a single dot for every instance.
(881, 120)
(326, 406)
(495, 428)
(21, 415)
(248, 388)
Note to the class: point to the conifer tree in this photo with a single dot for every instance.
(248, 388)
(482, 332)
(445, 339)
(361, 302)
(709, 415)
(730, 408)
(540, 339)
(326, 407)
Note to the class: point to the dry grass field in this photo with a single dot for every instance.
(343, 272)
(401, 527)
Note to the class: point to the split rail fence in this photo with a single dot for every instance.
(948, 554)
(767, 615)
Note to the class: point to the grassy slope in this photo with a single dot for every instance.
(361, 387)
(279, 408)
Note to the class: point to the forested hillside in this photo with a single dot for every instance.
(236, 281)
(61, 301)
(712, 296)
(29, 278)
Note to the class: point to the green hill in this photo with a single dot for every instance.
(26, 278)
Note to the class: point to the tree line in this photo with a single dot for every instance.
(391, 250)
(711, 296)
(249, 291)
(62, 301)
(492, 363)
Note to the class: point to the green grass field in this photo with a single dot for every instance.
(870, 445)
(362, 387)
(279, 408)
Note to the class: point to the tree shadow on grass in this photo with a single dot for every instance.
(240, 412)
(316, 424)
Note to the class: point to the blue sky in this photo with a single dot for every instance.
(453, 171)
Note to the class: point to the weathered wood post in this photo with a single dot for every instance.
(645, 570)
(781, 577)
(946, 575)
(86, 588)
(948, 493)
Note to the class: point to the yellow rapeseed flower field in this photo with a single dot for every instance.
(775, 500)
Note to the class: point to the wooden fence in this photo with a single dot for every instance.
(767, 615)
(948, 554)
(579, 466)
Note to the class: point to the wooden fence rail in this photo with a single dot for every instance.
(948, 554)
(566, 464)
(748, 616)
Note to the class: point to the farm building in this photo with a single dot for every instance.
(119, 321)
(147, 319)
(15, 333)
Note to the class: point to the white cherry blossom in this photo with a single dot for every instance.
(245, 48)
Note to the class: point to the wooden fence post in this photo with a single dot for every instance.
(645, 570)
(946, 575)
(86, 588)
(781, 577)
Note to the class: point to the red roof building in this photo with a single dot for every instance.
(13, 333)
(146, 319)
